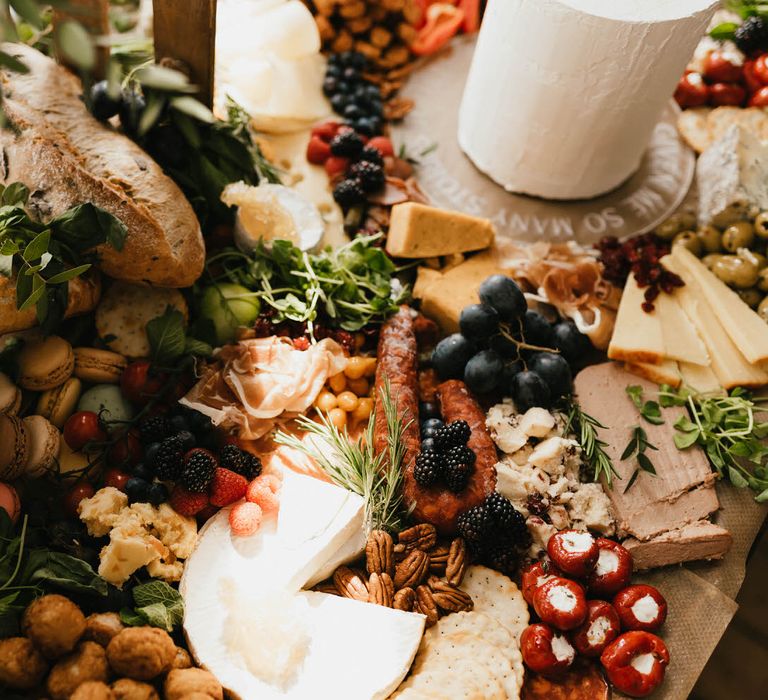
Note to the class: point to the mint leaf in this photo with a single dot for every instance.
(159, 604)
(635, 392)
(70, 574)
(157, 615)
(651, 411)
(131, 618)
(166, 335)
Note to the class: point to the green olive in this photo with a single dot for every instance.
(738, 235)
(710, 238)
(730, 215)
(751, 297)
(688, 239)
(711, 259)
(736, 271)
(762, 309)
(762, 280)
(754, 257)
(670, 228)
(687, 220)
(761, 224)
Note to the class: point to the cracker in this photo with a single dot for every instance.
(125, 310)
(720, 119)
(496, 595)
(693, 127)
(414, 694)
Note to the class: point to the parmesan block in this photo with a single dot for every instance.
(665, 373)
(729, 365)
(681, 342)
(420, 231)
(746, 329)
(637, 336)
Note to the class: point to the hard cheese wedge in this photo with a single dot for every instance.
(666, 372)
(681, 341)
(637, 336)
(745, 328)
(700, 378)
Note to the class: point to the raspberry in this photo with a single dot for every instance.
(382, 144)
(326, 131)
(227, 487)
(335, 166)
(244, 519)
(318, 151)
(187, 503)
(264, 491)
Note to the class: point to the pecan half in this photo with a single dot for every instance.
(412, 570)
(350, 584)
(380, 553)
(449, 597)
(400, 552)
(438, 558)
(422, 536)
(404, 599)
(427, 605)
(326, 587)
(381, 590)
(457, 561)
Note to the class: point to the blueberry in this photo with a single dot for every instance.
(429, 409)
(357, 60)
(428, 444)
(528, 390)
(187, 440)
(142, 471)
(377, 124)
(137, 490)
(330, 86)
(571, 343)
(503, 294)
(537, 330)
(338, 102)
(103, 105)
(451, 355)
(483, 371)
(503, 346)
(350, 74)
(478, 321)
(432, 423)
(199, 422)
(554, 370)
(375, 108)
(365, 126)
(333, 70)
(179, 422)
(157, 494)
(373, 91)
(344, 88)
(150, 452)
(352, 112)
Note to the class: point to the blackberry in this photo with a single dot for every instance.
(348, 193)
(370, 175)
(168, 459)
(427, 468)
(457, 476)
(455, 433)
(347, 144)
(502, 555)
(460, 454)
(199, 466)
(501, 511)
(154, 429)
(369, 154)
(752, 35)
(474, 525)
(239, 461)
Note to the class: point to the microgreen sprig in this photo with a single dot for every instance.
(650, 410)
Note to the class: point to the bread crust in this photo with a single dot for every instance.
(66, 157)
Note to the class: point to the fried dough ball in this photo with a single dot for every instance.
(141, 653)
(93, 690)
(21, 665)
(181, 660)
(182, 684)
(87, 663)
(128, 689)
(54, 624)
(101, 627)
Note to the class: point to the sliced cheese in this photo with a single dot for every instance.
(747, 330)
(681, 341)
(729, 365)
(700, 378)
(637, 336)
(667, 372)
(420, 231)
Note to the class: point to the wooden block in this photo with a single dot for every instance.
(185, 30)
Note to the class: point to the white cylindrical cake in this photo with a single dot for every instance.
(563, 95)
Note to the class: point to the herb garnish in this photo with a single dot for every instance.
(650, 410)
(169, 341)
(637, 446)
(377, 478)
(585, 427)
(729, 430)
(157, 604)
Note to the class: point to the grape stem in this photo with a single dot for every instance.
(521, 344)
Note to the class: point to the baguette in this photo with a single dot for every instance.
(67, 157)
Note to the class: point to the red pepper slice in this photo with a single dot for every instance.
(443, 21)
(471, 15)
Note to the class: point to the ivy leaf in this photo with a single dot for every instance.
(85, 226)
(762, 497)
(132, 618)
(192, 346)
(167, 339)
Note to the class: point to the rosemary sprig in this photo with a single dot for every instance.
(355, 466)
(585, 427)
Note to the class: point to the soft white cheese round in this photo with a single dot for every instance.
(607, 562)
(597, 630)
(642, 663)
(561, 598)
(646, 609)
(563, 95)
(577, 542)
(562, 648)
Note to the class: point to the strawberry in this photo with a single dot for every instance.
(244, 519)
(336, 165)
(383, 145)
(326, 131)
(318, 151)
(186, 502)
(227, 487)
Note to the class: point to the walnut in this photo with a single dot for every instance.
(350, 584)
(404, 599)
(141, 653)
(449, 597)
(380, 553)
(438, 558)
(426, 604)
(381, 590)
(457, 561)
(422, 536)
(180, 684)
(367, 49)
(411, 571)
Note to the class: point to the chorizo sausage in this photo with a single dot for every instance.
(583, 681)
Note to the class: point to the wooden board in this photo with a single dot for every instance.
(185, 30)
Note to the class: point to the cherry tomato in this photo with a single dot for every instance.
(383, 145)
(727, 94)
(126, 450)
(719, 68)
(692, 91)
(761, 68)
(83, 427)
(760, 98)
(751, 79)
(72, 498)
(138, 384)
(116, 478)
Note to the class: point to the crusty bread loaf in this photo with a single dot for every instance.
(67, 157)
(84, 295)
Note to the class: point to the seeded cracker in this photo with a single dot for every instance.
(693, 127)
(498, 597)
